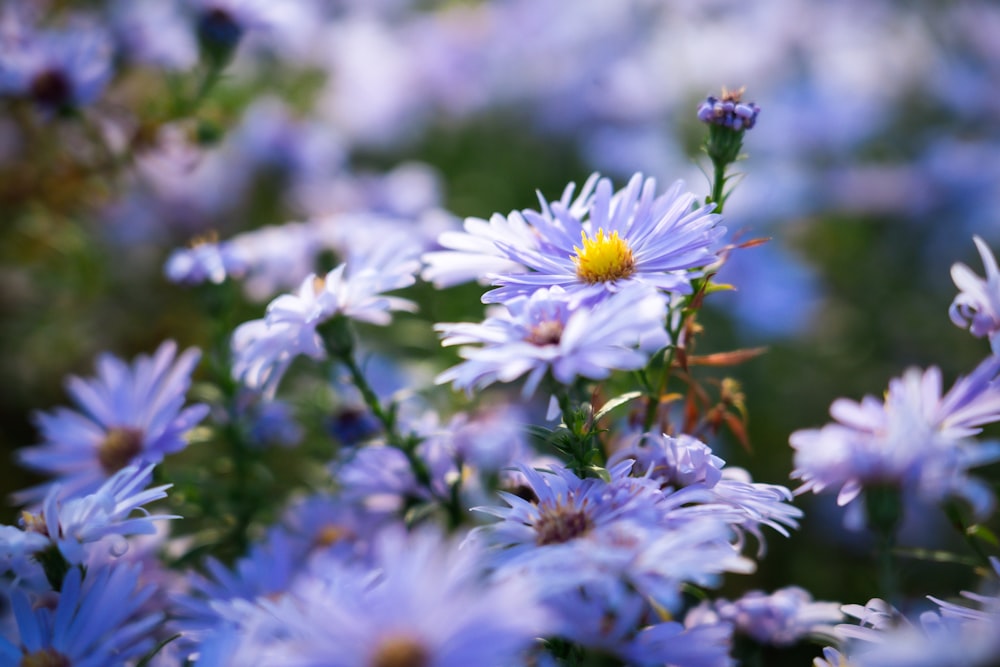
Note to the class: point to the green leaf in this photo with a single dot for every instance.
(983, 533)
(615, 402)
(936, 556)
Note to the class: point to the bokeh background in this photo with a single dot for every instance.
(875, 159)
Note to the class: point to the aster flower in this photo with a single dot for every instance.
(593, 244)
(206, 260)
(93, 622)
(74, 523)
(684, 462)
(977, 305)
(549, 332)
(56, 70)
(424, 602)
(729, 111)
(916, 440)
(263, 349)
(129, 414)
(782, 618)
(623, 529)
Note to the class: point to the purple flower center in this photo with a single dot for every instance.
(561, 523)
(548, 332)
(401, 652)
(47, 657)
(120, 447)
(51, 89)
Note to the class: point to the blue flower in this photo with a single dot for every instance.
(424, 602)
(58, 71)
(263, 349)
(623, 529)
(600, 241)
(128, 415)
(685, 462)
(977, 305)
(729, 111)
(549, 331)
(76, 522)
(206, 260)
(94, 622)
(782, 618)
(915, 440)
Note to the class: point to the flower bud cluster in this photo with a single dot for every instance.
(729, 111)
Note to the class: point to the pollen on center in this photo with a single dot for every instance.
(603, 258)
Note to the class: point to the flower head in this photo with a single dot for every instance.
(729, 111)
(594, 244)
(94, 622)
(550, 332)
(75, 523)
(58, 71)
(206, 260)
(263, 349)
(916, 440)
(977, 305)
(129, 414)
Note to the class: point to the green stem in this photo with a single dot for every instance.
(719, 185)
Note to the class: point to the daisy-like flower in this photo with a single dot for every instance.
(206, 260)
(977, 305)
(916, 440)
(425, 602)
(263, 349)
(623, 530)
(685, 462)
(551, 331)
(94, 622)
(601, 241)
(783, 618)
(128, 414)
(58, 71)
(72, 525)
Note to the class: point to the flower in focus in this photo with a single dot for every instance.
(548, 331)
(263, 349)
(128, 415)
(729, 111)
(622, 530)
(94, 622)
(593, 244)
(977, 305)
(915, 440)
(75, 522)
(685, 462)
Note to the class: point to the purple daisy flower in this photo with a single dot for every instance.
(977, 306)
(78, 522)
(263, 349)
(916, 439)
(425, 602)
(624, 529)
(58, 71)
(685, 462)
(550, 331)
(128, 415)
(206, 260)
(93, 622)
(601, 241)
(780, 619)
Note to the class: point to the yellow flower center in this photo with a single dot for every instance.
(120, 446)
(400, 651)
(603, 258)
(330, 534)
(47, 657)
